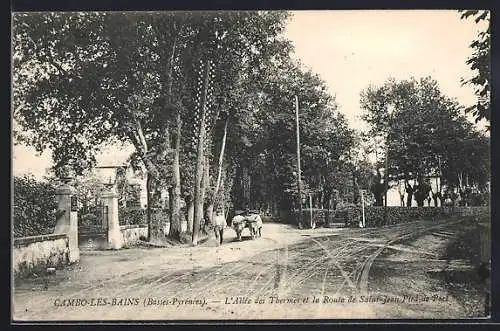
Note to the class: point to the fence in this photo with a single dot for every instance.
(376, 216)
(380, 216)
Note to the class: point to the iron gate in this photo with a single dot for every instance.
(93, 228)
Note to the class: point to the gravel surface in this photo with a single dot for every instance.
(390, 272)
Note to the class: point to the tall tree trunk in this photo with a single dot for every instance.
(409, 191)
(222, 199)
(175, 222)
(152, 174)
(219, 168)
(274, 208)
(355, 193)
(408, 199)
(460, 185)
(175, 190)
(190, 214)
(151, 230)
(138, 139)
(198, 189)
(198, 206)
(169, 204)
(328, 201)
(322, 200)
(221, 158)
(208, 206)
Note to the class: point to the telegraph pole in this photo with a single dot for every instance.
(386, 180)
(311, 210)
(363, 209)
(298, 161)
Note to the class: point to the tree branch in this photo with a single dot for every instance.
(140, 136)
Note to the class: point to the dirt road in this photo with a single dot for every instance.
(390, 272)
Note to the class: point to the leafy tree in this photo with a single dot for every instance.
(238, 44)
(468, 163)
(425, 134)
(88, 189)
(265, 141)
(82, 80)
(94, 77)
(140, 78)
(479, 62)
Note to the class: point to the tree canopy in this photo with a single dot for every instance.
(207, 101)
(479, 62)
(425, 132)
(83, 80)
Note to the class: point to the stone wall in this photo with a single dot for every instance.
(36, 254)
(132, 233)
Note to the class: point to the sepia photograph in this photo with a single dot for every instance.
(258, 165)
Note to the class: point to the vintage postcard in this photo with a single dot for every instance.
(251, 165)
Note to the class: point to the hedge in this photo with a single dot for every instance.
(35, 207)
(374, 216)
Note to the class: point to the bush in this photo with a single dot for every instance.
(35, 207)
(136, 216)
(160, 215)
(374, 215)
(129, 216)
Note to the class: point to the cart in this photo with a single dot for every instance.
(250, 220)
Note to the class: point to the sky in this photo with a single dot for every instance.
(351, 50)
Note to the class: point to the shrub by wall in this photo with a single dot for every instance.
(131, 216)
(35, 207)
(137, 216)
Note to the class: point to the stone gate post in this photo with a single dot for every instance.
(67, 221)
(110, 199)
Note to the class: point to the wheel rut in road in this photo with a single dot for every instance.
(315, 263)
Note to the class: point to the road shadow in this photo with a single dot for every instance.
(243, 238)
(466, 246)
